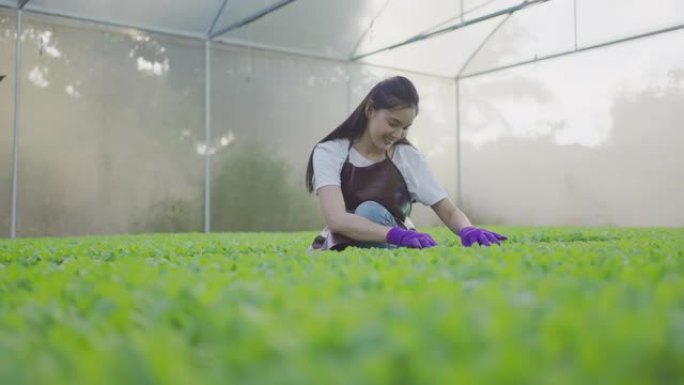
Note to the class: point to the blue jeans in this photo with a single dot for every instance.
(375, 212)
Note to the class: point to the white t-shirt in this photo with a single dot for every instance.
(328, 158)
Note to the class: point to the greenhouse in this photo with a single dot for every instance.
(155, 224)
(141, 116)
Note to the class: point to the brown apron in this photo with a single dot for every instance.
(380, 182)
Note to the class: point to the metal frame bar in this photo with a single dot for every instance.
(267, 47)
(481, 45)
(476, 20)
(216, 18)
(15, 129)
(22, 4)
(565, 53)
(459, 169)
(574, 18)
(459, 165)
(370, 25)
(406, 71)
(207, 136)
(347, 68)
(251, 18)
(309, 55)
(460, 16)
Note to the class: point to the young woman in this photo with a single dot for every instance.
(367, 175)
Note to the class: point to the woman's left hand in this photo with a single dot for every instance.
(470, 235)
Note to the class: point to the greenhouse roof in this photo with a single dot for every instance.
(435, 37)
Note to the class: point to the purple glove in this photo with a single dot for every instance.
(470, 235)
(409, 238)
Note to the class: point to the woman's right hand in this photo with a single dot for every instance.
(409, 238)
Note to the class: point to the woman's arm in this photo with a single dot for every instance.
(350, 225)
(460, 225)
(452, 217)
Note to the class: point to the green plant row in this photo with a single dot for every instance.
(551, 306)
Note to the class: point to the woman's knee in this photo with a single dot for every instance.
(375, 212)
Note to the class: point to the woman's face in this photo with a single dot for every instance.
(386, 127)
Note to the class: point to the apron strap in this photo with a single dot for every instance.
(351, 143)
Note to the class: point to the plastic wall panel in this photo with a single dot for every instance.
(268, 111)
(111, 127)
(329, 29)
(588, 139)
(399, 20)
(448, 52)
(601, 21)
(525, 36)
(282, 105)
(338, 29)
(193, 16)
(7, 66)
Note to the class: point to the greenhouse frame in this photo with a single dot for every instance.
(156, 116)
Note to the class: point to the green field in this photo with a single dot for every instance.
(552, 306)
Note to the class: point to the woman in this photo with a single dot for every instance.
(367, 175)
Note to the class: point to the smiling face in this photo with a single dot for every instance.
(386, 127)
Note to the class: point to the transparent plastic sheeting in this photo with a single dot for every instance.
(344, 30)
(235, 12)
(601, 21)
(321, 28)
(119, 144)
(447, 53)
(525, 35)
(116, 145)
(306, 99)
(596, 134)
(194, 16)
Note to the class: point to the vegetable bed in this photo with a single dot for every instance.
(551, 306)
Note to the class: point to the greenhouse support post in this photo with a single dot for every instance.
(15, 129)
(207, 136)
(459, 168)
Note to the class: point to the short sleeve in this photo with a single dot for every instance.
(328, 158)
(422, 182)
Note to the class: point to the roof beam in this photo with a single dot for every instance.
(251, 18)
(216, 18)
(573, 51)
(481, 45)
(370, 25)
(424, 36)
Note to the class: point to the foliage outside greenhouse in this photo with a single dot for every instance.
(251, 191)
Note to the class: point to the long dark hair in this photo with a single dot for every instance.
(390, 94)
